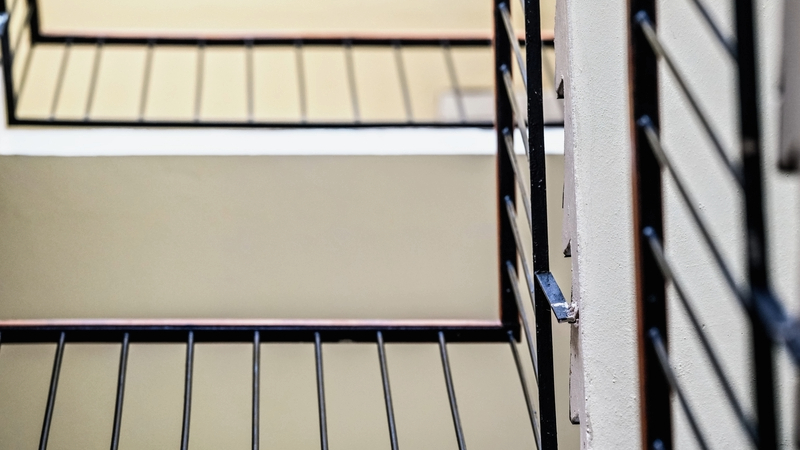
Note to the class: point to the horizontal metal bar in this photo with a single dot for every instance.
(551, 290)
(655, 145)
(515, 45)
(24, 331)
(663, 359)
(189, 123)
(338, 41)
(652, 38)
(658, 253)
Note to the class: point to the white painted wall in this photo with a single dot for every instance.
(592, 42)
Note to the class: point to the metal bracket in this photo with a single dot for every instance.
(562, 310)
(3, 22)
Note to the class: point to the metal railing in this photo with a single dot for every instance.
(22, 34)
(544, 293)
(543, 290)
(770, 325)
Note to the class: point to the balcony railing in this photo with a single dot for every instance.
(514, 198)
(770, 324)
(411, 58)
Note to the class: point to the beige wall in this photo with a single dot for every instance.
(259, 236)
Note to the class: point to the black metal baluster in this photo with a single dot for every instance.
(21, 31)
(763, 357)
(24, 76)
(525, 392)
(451, 72)
(256, 388)
(301, 80)
(198, 93)
(387, 392)
(504, 119)
(451, 392)
(401, 75)
(250, 80)
(93, 80)
(651, 297)
(123, 368)
(148, 68)
(663, 359)
(62, 70)
(323, 420)
(351, 81)
(51, 396)
(187, 393)
(8, 60)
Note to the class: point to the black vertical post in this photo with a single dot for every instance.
(8, 79)
(647, 203)
(763, 358)
(504, 120)
(34, 21)
(541, 252)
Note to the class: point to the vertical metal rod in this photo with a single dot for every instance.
(387, 392)
(323, 420)
(51, 396)
(187, 393)
(512, 274)
(654, 389)
(451, 393)
(148, 68)
(523, 191)
(525, 392)
(8, 60)
(451, 72)
(504, 119)
(512, 37)
(123, 367)
(663, 359)
(34, 21)
(93, 80)
(250, 80)
(198, 93)
(256, 387)
(62, 70)
(401, 75)
(757, 249)
(540, 239)
(21, 31)
(24, 77)
(351, 80)
(301, 80)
